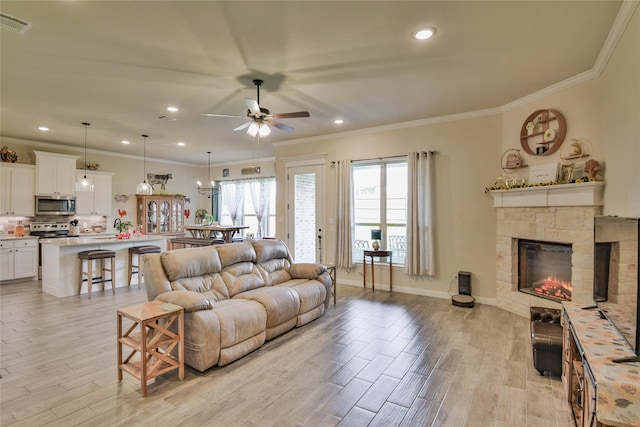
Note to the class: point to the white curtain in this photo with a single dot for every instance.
(344, 215)
(260, 191)
(420, 259)
(233, 196)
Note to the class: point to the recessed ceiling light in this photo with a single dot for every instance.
(181, 144)
(172, 109)
(424, 34)
(338, 121)
(125, 142)
(43, 128)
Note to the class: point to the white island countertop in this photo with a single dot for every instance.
(105, 239)
(61, 266)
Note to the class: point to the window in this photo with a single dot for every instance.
(242, 199)
(380, 202)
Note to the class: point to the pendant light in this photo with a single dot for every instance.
(143, 188)
(85, 184)
(207, 191)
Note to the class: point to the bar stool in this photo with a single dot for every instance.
(139, 250)
(101, 255)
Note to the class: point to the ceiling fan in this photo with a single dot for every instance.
(260, 118)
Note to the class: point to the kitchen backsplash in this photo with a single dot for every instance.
(7, 224)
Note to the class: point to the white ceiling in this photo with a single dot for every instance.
(118, 64)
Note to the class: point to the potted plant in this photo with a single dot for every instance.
(123, 227)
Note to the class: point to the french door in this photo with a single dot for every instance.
(305, 215)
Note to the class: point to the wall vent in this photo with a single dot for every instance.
(13, 24)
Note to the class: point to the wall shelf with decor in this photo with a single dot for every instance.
(538, 137)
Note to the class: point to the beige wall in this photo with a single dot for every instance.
(467, 161)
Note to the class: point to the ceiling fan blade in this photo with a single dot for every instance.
(243, 126)
(253, 106)
(222, 115)
(279, 125)
(291, 115)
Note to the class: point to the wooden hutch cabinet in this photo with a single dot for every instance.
(160, 214)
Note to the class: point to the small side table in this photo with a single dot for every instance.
(331, 269)
(153, 335)
(380, 254)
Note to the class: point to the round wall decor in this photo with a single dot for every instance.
(543, 132)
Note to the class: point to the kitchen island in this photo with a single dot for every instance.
(61, 266)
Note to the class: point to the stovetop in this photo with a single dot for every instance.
(49, 229)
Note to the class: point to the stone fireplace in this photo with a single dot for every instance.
(544, 269)
(555, 214)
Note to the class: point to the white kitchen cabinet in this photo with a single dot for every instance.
(17, 185)
(18, 258)
(55, 174)
(98, 201)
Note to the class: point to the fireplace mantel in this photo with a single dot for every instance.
(580, 194)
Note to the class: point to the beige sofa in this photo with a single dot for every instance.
(236, 296)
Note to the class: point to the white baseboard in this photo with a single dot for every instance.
(413, 291)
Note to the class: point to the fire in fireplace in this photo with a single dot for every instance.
(544, 269)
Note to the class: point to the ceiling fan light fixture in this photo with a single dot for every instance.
(424, 33)
(265, 130)
(254, 128)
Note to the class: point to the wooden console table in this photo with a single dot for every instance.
(600, 392)
(380, 254)
(153, 343)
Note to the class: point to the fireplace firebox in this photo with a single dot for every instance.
(544, 269)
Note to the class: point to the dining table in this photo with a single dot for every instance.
(210, 231)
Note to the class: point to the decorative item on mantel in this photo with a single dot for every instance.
(511, 160)
(92, 166)
(8, 155)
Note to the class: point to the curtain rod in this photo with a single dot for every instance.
(389, 157)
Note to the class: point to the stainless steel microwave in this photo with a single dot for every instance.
(55, 205)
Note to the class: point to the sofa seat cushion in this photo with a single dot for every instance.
(242, 328)
(281, 304)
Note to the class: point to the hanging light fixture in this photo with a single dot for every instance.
(207, 191)
(259, 128)
(143, 188)
(85, 184)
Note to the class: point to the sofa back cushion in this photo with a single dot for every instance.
(241, 277)
(190, 262)
(239, 271)
(274, 260)
(196, 270)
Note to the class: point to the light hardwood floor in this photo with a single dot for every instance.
(376, 359)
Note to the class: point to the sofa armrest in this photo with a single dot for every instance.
(189, 300)
(306, 270)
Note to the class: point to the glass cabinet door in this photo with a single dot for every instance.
(177, 216)
(152, 216)
(165, 216)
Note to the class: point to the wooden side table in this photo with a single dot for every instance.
(154, 342)
(380, 254)
(331, 269)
